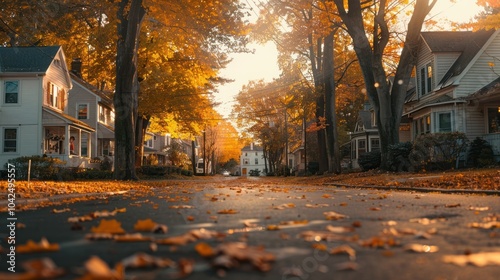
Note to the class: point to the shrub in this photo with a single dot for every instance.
(42, 167)
(438, 151)
(370, 160)
(106, 164)
(480, 153)
(155, 170)
(399, 156)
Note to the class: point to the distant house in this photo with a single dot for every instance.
(365, 137)
(94, 107)
(252, 158)
(457, 74)
(34, 117)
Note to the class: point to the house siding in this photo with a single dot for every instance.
(476, 126)
(443, 63)
(481, 73)
(24, 116)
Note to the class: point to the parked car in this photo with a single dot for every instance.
(226, 173)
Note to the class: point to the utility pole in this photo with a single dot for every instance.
(204, 151)
(286, 145)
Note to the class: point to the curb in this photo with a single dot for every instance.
(392, 188)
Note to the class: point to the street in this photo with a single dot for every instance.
(258, 228)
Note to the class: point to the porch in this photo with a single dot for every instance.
(66, 138)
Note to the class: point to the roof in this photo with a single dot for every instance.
(27, 59)
(105, 98)
(467, 42)
(255, 148)
(69, 119)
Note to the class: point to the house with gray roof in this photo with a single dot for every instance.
(252, 158)
(457, 85)
(34, 118)
(94, 107)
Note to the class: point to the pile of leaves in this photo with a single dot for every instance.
(483, 179)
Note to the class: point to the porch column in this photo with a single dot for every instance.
(79, 143)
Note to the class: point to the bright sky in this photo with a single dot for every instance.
(262, 64)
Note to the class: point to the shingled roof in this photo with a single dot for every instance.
(27, 59)
(467, 42)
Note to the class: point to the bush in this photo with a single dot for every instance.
(480, 153)
(438, 151)
(44, 168)
(399, 157)
(76, 173)
(370, 160)
(163, 170)
(106, 164)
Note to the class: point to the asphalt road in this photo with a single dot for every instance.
(287, 221)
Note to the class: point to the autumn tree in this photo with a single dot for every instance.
(387, 99)
(489, 18)
(309, 31)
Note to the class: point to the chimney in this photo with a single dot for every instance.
(251, 146)
(76, 67)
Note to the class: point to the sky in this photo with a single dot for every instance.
(262, 63)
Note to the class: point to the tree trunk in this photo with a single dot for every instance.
(332, 143)
(140, 133)
(387, 102)
(127, 87)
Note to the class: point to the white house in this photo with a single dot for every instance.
(454, 69)
(252, 158)
(457, 89)
(34, 117)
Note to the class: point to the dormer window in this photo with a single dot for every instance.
(426, 79)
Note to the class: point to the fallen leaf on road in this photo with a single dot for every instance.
(108, 226)
(80, 219)
(332, 216)
(135, 237)
(273, 227)
(453, 205)
(43, 268)
(204, 250)
(99, 236)
(472, 208)
(181, 207)
(149, 226)
(421, 248)
(227, 211)
(334, 229)
(284, 206)
(33, 247)
(488, 225)
(143, 260)
(379, 242)
(103, 214)
(478, 259)
(97, 269)
(241, 252)
(316, 205)
(296, 222)
(57, 211)
(344, 249)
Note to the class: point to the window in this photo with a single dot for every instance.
(82, 111)
(245, 161)
(361, 147)
(54, 95)
(426, 79)
(102, 116)
(423, 125)
(10, 140)
(494, 120)
(11, 92)
(375, 144)
(256, 161)
(444, 122)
